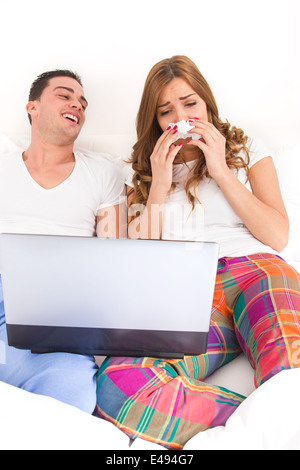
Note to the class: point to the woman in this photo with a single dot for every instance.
(230, 186)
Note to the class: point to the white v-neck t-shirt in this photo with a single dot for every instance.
(69, 209)
(213, 219)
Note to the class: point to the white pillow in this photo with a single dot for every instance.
(287, 162)
(8, 145)
(269, 419)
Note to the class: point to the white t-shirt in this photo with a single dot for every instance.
(213, 219)
(69, 209)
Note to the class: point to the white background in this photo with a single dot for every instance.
(248, 50)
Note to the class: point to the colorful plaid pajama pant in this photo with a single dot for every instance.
(256, 309)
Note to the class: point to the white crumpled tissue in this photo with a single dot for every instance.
(183, 130)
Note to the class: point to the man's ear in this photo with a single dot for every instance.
(31, 108)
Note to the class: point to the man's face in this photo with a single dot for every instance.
(59, 114)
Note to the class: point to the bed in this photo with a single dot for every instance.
(268, 419)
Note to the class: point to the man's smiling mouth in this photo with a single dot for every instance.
(71, 117)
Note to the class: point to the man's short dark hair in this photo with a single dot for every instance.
(42, 81)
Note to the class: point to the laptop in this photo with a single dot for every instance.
(116, 297)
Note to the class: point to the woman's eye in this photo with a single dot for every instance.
(164, 113)
(191, 104)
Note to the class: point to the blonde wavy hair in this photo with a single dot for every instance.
(149, 131)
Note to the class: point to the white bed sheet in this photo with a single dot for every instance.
(34, 422)
(269, 419)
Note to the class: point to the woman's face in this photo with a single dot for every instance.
(179, 102)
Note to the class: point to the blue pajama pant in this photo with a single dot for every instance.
(69, 378)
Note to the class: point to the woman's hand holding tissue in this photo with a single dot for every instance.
(213, 145)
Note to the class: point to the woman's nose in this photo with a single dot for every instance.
(181, 115)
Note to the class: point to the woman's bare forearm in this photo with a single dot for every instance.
(145, 222)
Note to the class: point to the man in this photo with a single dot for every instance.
(50, 189)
